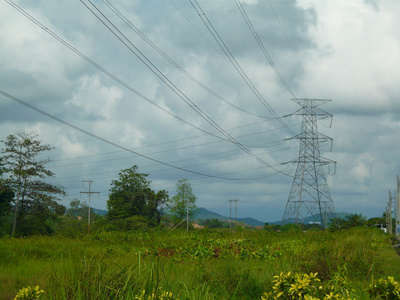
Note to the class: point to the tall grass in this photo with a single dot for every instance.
(220, 264)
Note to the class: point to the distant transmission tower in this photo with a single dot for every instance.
(310, 195)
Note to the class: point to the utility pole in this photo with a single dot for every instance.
(187, 207)
(389, 215)
(89, 194)
(309, 194)
(236, 200)
(230, 211)
(396, 229)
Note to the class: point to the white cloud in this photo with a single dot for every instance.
(354, 61)
(343, 50)
(96, 99)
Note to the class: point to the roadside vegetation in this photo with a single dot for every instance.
(199, 264)
(147, 247)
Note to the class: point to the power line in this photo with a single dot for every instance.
(234, 62)
(180, 94)
(188, 138)
(187, 166)
(120, 36)
(268, 145)
(103, 139)
(131, 89)
(175, 64)
(290, 44)
(106, 72)
(172, 185)
(260, 43)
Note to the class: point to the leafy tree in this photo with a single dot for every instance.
(291, 227)
(377, 220)
(127, 194)
(75, 221)
(129, 223)
(156, 203)
(183, 204)
(271, 227)
(213, 223)
(6, 198)
(131, 195)
(34, 204)
(336, 224)
(6, 195)
(354, 220)
(79, 210)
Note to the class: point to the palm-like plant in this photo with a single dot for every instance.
(354, 220)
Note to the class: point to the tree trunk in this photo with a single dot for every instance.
(15, 215)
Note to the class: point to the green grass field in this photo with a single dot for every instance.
(200, 264)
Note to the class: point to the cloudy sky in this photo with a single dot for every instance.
(183, 89)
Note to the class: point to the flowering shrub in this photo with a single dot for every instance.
(307, 286)
(159, 294)
(29, 293)
(385, 289)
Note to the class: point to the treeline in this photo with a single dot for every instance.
(350, 221)
(29, 205)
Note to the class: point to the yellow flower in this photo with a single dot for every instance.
(29, 293)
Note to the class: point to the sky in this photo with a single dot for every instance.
(184, 89)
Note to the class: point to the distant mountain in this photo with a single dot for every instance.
(251, 221)
(311, 219)
(204, 214)
(342, 215)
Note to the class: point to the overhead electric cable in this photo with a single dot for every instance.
(173, 162)
(191, 23)
(265, 145)
(269, 144)
(234, 62)
(291, 46)
(109, 74)
(173, 150)
(120, 36)
(181, 160)
(264, 50)
(118, 80)
(171, 61)
(170, 150)
(103, 139)
(255, 177)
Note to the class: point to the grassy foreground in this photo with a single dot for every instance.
(201, 264)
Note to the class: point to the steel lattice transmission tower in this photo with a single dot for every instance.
(310, 195)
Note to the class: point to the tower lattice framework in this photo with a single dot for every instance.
(309, 195)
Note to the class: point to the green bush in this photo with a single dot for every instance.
(29, 293)
(199, 264)
(308, 286)
(385, 289)
(128, 224)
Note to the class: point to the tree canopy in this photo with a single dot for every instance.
(35, 201)
(183, 204)
(131, 195)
